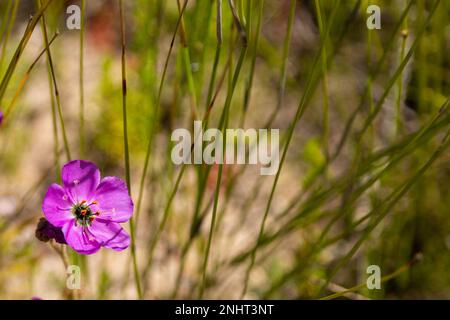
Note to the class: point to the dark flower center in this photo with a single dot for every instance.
(84, 214)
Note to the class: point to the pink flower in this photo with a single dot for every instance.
(89, 210)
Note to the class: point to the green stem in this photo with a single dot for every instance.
(186, 60)
(325, 120)
(283, 73)
(299, 113)
(81, 84)
(248, 89)
(222, 127)
(382, 280)
(8, 32)
(380, 213)
(55, 88)
(374, 73)
(197, 218)
(153, 125)
(25, 79)
(126, 148)
(20, 48)
(398, 115)
(54, 118)
(370, 83)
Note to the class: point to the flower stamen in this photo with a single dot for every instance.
(83, 214)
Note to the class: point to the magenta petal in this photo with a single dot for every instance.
(56, 206)
(80, 179)
(79, 239)
(113, 201)
(110, 234)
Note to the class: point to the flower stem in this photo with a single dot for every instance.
(222, 126)
(284, 65)
(56, 151)
(398, 111)
(55, 89)
(186, 59)
(325, 121)
(370, 83)
(253, 54)
(126, 149)
(82, 137)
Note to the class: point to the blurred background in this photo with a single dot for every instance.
(355, 187)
